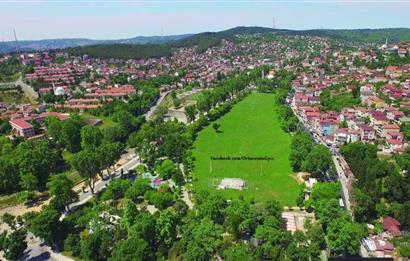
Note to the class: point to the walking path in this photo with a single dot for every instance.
(186, 198)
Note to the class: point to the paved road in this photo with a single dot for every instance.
(344, 181)
(100, 185)
(148, 114)
(38, 251)
(340, 172)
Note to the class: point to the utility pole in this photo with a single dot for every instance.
(273, 24)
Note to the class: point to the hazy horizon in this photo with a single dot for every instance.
(191, 33)
(108, 20)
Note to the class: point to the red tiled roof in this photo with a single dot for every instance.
(56, 114)
(392, 225)
(302, 97)
(391, 126)
(22, 123)
(394, 142)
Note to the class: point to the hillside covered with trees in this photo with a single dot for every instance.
(205, 40)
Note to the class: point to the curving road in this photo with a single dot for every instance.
(150, 112)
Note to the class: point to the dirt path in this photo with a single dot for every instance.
(186, 198)
(19, 210)
(177, 114)
(300, 177)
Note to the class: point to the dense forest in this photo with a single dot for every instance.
(203, 41)
(123, 51)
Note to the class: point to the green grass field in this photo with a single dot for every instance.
(251, 129)
(106, 121)
(195, 96)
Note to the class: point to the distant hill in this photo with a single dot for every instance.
(129, 51)
(123, 51)
(155, 46)
(248, 30)
(203, 40)
(394, 35)
(52, 44)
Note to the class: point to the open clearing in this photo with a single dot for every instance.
(250, 129)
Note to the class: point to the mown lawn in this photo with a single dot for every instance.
(106, 121)
(195, 96)
(250, 129)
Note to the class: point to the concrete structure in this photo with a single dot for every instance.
(232, 183)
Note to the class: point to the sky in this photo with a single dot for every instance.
(118, 19)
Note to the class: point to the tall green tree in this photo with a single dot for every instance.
(168, 170)
(205, 235)
(9, 176)
(37, 159)
(300, 147)
(60, 188)
(239, 252)
(166, 228)
(132, 249)
(86, 163)
(91, 137)
(47, 226)
(344, 236)
(190, 112)
(130, 214)
(15, 244)
(65, 133)
(318, 161)
(97, 245)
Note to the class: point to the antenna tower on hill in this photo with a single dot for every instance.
(17, 43)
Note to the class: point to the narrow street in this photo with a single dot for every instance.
(343, 181)
(336, 160)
